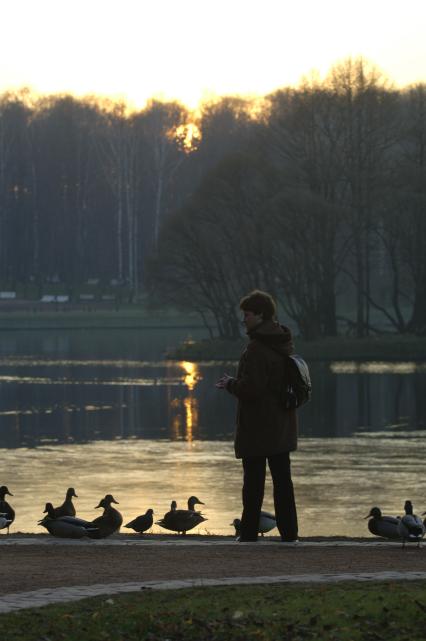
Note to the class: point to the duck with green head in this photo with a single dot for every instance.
(384, 526)
(65, 527)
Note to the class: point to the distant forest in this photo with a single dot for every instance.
(316, 194)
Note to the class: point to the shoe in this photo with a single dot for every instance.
(239, 539)
(291, 542)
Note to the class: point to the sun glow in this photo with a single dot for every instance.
(192, 50)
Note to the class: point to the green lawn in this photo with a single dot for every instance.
(345, 612)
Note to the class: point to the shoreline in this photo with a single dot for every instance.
(384, 348)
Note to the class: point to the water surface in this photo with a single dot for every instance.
(104, 412)
(337, 481)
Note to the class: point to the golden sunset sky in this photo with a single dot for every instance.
(194, 49)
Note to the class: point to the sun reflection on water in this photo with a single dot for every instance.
(184, 412)
(192, 374)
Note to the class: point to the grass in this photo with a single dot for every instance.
(345, 612)
(385, 347)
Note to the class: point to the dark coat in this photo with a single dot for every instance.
(264, 427)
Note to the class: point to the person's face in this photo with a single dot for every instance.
(251, 320)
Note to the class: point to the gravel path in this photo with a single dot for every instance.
(34, 563)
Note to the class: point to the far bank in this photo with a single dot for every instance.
(389, 347)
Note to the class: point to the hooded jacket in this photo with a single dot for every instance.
(264, 427)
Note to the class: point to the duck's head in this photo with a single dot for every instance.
(408, 507)
(173, 506)
(106, 501)
(375, 512)
(3, 491)
(150, 511)
(193, 501)
(237, 524)
(49, 510)
(71, 493)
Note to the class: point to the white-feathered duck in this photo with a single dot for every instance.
(267, 522)
(66, 527)
(411, 528)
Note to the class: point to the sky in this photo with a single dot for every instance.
(192, 50)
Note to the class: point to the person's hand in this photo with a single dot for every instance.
(223, 380)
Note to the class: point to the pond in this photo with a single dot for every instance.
(104, 412)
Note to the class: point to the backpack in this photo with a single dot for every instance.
(297, 385)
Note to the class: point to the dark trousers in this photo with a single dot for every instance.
(253, 491)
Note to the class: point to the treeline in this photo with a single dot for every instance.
(317, 194)
(324, 206)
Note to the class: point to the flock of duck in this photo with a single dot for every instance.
(62, 521)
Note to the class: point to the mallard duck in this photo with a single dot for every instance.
(66, 527)
(6, 509)
(267, 522)
(411, 528)
(384, 526)
(181, 521)
(67, 508)
(142, 523)
(110, 521)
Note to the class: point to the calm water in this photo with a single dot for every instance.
(104, 412)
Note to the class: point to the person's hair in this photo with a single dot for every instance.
(259, 302)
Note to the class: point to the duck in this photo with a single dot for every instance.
(4, 521)
(411, 528)
(267, 522)
(66, 527)
(67, 508)
(181, 521)
(142, 523)
(110, 521)
(384, 526)
(6, 508)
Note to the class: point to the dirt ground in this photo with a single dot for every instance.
(35, 566)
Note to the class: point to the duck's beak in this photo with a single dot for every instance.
(76, 495)
(423, 513)
(114, 501)
(366, 517)
(99, 505)
(9, 493)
